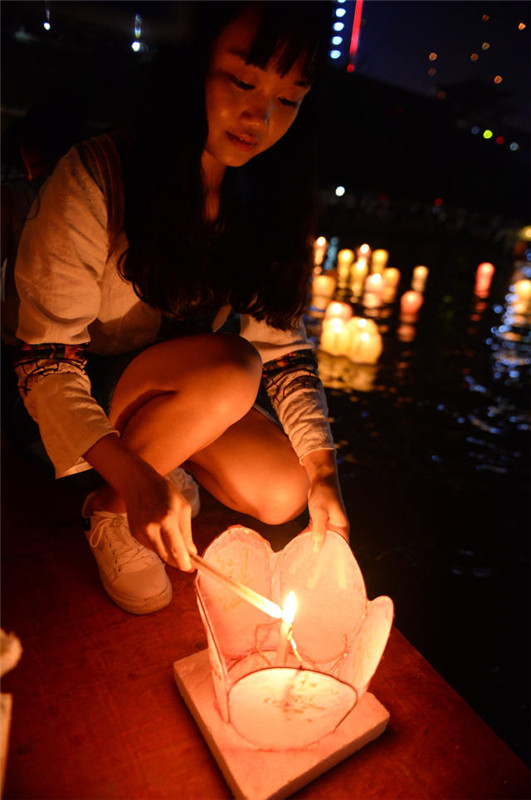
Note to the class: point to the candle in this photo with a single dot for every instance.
(410, 304)
(286, 627)
(484, 274)
(345, 259)
(323, 288)
(358, 274)
(319, 250)
(379, 260)
(337, 310)
(420, 274)
(372, 297)
(335, 337)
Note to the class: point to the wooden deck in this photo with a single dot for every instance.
(96, 713)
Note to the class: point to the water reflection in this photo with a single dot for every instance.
(433, 453)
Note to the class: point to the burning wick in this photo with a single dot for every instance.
(286, 626)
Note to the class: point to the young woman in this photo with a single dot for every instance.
(143, 243)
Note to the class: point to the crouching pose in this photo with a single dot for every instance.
(146, 240)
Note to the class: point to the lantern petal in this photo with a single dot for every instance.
(330, 592)
(244, 555)
(361, 664)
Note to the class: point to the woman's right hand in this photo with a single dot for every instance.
(159, 515)
(160, 518)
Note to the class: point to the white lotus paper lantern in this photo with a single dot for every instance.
(336, 643)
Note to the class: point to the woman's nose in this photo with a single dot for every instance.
(257, 112)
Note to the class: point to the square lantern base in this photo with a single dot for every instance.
(254, 774)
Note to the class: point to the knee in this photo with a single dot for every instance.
(285, 501)
(236, 374)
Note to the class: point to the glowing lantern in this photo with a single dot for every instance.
(522, 294)
(337, 310)
(335, 337)
(363, 341)
(363, 251)
(410, 304)
(484, 274)
(331, 648)
(319, 250)
(358, 274)
(391, 278)
(379, 260)
(420, 275)
(345, 259)
(323, 288)
(372, 296)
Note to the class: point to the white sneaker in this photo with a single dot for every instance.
(133, 576)
(187, 486)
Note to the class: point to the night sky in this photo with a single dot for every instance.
(397, 37)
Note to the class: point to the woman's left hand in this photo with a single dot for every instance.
(325, 503)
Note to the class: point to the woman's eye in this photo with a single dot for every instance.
(241, 84)
(289, 103)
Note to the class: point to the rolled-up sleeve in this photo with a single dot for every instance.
(61, 259)
(292, 381)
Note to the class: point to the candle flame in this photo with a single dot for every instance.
(290, 607)
(337, 325)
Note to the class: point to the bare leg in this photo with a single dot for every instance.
(178, 397)
(252, 468)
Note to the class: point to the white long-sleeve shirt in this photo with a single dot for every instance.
(72, 297)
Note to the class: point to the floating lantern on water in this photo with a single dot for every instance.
(372, 295)
(364, 251)
(335, 337)
(319, 250)
(522, 289)
(337, 310)
(345, 259)
(365, 342)
(391, 277)
(329, 651)
(420, 275)
(484, 275)
(323, 288)
(410, 304)
(358, 273)
(379, 260)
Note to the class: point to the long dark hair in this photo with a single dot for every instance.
(258, 256)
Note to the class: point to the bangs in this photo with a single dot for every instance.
(289, 31)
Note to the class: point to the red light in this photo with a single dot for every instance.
(438, 202)
(499, 140)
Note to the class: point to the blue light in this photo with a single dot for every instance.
(475, 130)
(514, 146)
(46, 26)
(335, 54)
(338, 26)
(337, 39)
(340, 12)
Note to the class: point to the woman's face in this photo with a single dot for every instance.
(248, 108)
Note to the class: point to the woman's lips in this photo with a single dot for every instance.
(243, 142)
